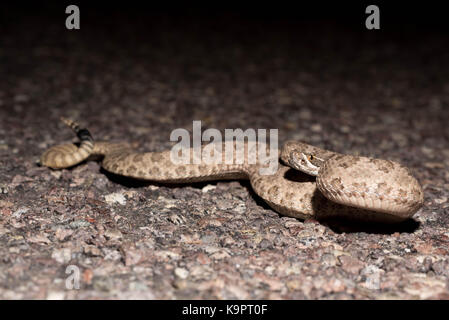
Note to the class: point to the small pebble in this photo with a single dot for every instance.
(181, 273)
(208, 188)
(115, 197)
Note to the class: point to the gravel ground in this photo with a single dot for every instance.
(381, 94)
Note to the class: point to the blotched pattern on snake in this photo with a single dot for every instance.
(345, 186)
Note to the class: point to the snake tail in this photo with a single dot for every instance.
(68, 155)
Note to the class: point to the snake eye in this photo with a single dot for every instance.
(310, 158)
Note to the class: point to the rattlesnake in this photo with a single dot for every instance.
(346, 186)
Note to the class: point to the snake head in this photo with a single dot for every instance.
(305, 162)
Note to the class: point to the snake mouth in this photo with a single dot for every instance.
(299, 161)
(309, 164)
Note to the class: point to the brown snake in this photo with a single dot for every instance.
(346, 186)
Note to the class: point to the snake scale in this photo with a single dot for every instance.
(346, 186)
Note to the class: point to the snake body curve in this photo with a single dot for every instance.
(346, 186)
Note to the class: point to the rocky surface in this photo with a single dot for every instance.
(382, 94)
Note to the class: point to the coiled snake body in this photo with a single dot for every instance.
(346, 186)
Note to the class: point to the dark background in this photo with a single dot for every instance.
(394, 13)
